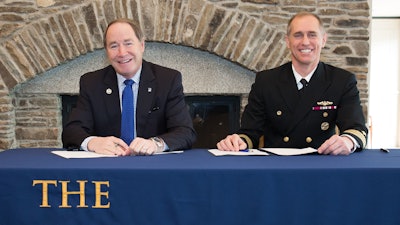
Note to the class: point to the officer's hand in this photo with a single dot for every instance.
(232, 143)
(336, 145)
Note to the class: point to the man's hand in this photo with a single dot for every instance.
(336, 145)
(232, 143)
(141, 146)
(109, 146)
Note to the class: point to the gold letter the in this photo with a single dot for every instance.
(45, 194)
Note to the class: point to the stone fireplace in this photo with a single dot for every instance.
(46, 45)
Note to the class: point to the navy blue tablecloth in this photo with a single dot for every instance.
(196, 187)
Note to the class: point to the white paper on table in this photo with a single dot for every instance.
(217, 152)
(80, 154)
(290, 151)
(168, 152)
(87, 154)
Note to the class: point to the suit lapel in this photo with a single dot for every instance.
(146, 93)
(316, 88)
(111, 96)
(289, 90)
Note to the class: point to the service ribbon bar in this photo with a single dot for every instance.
(324, 107)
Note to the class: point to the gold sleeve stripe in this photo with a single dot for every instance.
(359, 135)
(248, 140)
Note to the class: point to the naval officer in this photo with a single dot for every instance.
(303, 103)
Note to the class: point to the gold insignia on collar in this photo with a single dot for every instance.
(324, 103)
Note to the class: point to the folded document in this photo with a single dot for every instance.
(217, 152)
(266, 151)
(290, 151)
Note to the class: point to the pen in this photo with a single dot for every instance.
(244, 150)
(385, 150)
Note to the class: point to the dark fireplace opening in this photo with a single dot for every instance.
(214, 116)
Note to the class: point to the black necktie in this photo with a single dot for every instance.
(304, 83)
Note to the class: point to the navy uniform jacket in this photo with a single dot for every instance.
(276, 110)
(161, 110)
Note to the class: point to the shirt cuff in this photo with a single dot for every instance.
(355, 143)
(84, 145)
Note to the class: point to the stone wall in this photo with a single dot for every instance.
(38, 35)
(37, 120)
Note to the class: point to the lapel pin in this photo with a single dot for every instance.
(108, 91)
(149, 89)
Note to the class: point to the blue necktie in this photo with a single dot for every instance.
(127, 128)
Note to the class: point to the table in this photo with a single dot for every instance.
(196, 187)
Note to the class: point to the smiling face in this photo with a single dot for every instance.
(305, 39)
(124, 50)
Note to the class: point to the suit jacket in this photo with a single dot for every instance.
(160, 111)
(286, 118)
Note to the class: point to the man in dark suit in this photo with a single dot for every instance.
(160, 119)
(300, 103)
